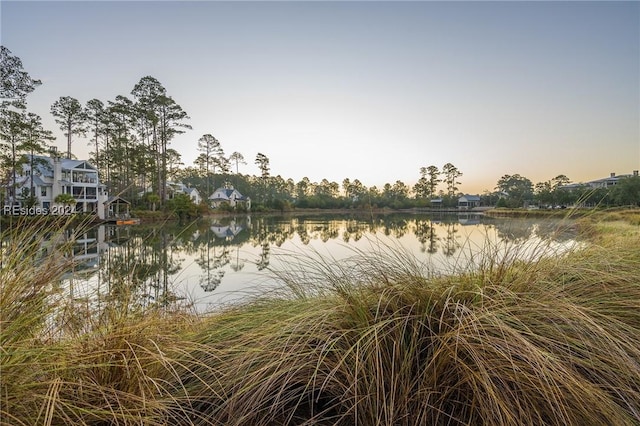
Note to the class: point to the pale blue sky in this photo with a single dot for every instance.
(367, 90)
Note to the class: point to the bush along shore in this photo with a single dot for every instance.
(374, 340)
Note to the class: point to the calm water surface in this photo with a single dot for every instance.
(215, 261)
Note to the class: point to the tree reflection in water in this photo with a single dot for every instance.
(159, 265)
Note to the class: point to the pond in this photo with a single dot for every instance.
(215, 261)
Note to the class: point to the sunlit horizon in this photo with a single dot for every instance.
(361, 90)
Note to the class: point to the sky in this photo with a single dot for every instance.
(368, 90)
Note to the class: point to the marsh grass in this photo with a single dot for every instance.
(26, 279)
(376, 339)
(60, 363)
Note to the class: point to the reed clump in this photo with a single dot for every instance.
(61, 362)
(377, 339)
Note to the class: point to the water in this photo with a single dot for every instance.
(216, 261)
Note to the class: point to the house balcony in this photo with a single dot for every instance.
(84, 193)
(86, 178)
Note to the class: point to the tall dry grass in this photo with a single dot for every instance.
(26, 277)
(61, 363)
(375, 340)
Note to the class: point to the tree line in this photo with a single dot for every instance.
(276, 192)
(514, 191)
(130, 137)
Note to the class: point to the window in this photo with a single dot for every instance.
(43, 191)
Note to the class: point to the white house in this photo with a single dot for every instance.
(231, 196)
(52, 176)
(194, 195)
(467, 202)
(174, 188)
(180, 188)
(601, 183)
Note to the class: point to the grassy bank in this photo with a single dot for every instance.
(573, 213)
(375, 340)
(534, 213)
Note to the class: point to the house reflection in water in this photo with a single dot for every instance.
(216, 256)
(89, 248)
(226, 232)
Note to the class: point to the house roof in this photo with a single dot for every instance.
(26, 181)
(470, 198)
(225, 194)
(116, 200)
(44, 164)
(76, 164)
(177, 186)
(39, 182)
(20, 180)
